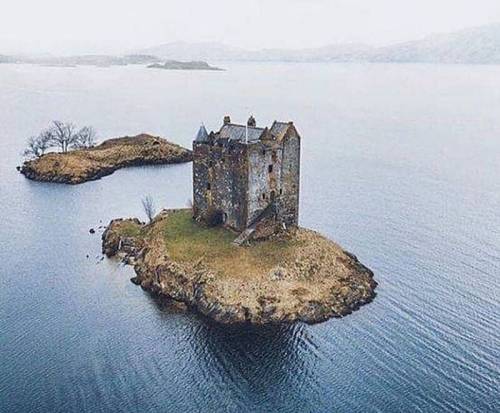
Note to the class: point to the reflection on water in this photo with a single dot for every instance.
(400, 165)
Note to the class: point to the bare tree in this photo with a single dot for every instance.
(85, 138)
(60, 134)
(149, 207)
(45, 140)
(37, 145)
(32, 148)
(63, 135)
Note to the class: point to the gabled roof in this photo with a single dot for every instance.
(238, 132)
(279, 129)
(202, 135)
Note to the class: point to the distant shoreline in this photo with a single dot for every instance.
(178, 65)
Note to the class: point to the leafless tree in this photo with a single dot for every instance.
(85, 138)
(32, 148)
(37, 145)
(45, 140)
(63, 135)
(149, 207)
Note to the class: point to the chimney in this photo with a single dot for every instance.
(251, 122)
(227, 120)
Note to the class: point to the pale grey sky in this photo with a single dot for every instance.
(113, 26)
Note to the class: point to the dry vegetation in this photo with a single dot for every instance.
(293, 276)
(82, 165)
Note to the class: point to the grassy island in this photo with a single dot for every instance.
(293, 276)
(82, 165)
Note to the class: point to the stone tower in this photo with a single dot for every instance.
(247, 174)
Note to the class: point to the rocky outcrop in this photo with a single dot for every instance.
(84, 165)
(314, 281)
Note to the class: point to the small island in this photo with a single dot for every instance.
(91, 163)
(238, 254)
(177, 65)
(297, 275)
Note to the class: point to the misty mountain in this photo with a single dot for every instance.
(222, 52)
(479, 45)
(194, 51)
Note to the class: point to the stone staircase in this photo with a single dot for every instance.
(243, 237)
(248, 232)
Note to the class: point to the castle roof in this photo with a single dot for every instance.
(235, 132)
(202, 135)
(278, 129)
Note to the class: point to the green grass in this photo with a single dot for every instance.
(130, 229)
(188, 241)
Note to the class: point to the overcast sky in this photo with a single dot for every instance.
(113, 26)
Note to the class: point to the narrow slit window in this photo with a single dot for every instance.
(270, 168)
(209, 187)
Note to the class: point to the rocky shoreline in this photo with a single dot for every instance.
(84, 165)
(301, 276)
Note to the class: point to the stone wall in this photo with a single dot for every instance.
(264, 177)
(288, 205)
(241, 179)
(220, 181)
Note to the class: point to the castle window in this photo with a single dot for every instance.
(210, 163)
(281, 191)
(209, 187)
(263, 196)
(263, 151)
(270, 168)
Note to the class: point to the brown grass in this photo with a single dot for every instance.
(81, 165)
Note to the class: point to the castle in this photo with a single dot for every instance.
(247, 175)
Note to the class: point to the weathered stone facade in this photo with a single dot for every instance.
(243, 172)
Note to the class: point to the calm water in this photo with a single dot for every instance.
(401, 165)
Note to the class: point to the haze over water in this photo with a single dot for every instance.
(400, 165)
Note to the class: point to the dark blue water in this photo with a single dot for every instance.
(401, 165)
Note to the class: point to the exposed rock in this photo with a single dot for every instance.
(84, 165)
(309, 279)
